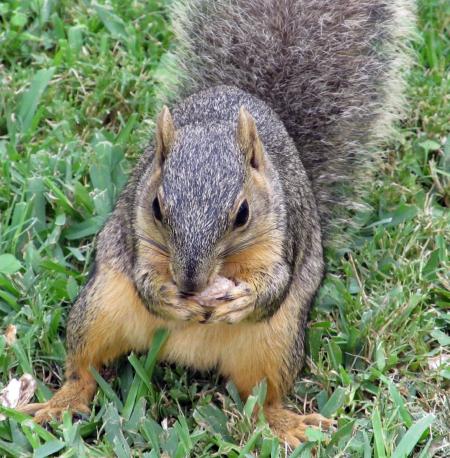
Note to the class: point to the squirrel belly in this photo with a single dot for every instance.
(273, 121)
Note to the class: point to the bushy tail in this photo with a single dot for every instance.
(330, 69)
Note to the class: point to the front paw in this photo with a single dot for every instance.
(233, 305)
(176, 306)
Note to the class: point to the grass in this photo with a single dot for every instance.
(77, 96)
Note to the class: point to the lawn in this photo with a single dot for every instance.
(78, 93)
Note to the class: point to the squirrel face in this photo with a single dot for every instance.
(208, 181)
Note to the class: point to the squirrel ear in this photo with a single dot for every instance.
(165, 134)
(248, 139)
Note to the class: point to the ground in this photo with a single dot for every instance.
(78, 82)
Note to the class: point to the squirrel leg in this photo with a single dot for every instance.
(289, 426)
(107, 320)
(273, 350)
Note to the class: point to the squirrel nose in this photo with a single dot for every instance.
(190, 277)
(189, 286)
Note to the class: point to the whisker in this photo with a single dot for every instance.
(239, 264)
(248, 242)
(159, 247)
(154, 253)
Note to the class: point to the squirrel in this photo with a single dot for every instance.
(277, 111)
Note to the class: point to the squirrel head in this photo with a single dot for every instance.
(207, 197)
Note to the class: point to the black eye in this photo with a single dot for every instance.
(156, 209)
(242, 215)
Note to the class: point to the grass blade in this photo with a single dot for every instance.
(48, 449)
(144, 373)
(106, 388)
(335, 402)
(30, 99)
(412, 437)
(378, 434)
(112, 22)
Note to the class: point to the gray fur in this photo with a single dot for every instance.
(198, 173)
(204, 173)
(329, 69)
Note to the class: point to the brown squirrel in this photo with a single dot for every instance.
(219, 234)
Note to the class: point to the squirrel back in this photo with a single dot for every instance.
(330, 70)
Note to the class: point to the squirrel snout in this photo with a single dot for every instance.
(191, 286)
(190, 281)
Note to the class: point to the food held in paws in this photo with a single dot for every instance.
(216, 290)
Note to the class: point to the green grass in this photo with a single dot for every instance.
(77, 96)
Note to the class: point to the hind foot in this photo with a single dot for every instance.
(291, 427)
(74, 396)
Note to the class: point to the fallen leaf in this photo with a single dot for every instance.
(10, 334)
(165, 424)
(436, 362)
(17, 393)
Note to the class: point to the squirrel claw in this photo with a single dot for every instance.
(178, 306)
(291, 427)
(44, 412)
(233, 306)
(31, 409)
(233, 311)
(48, 412)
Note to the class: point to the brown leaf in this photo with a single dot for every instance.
(10, 334)
(436, 362)
(17, 393)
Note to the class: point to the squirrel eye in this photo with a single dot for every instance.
(157, 209)
(242, 215)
